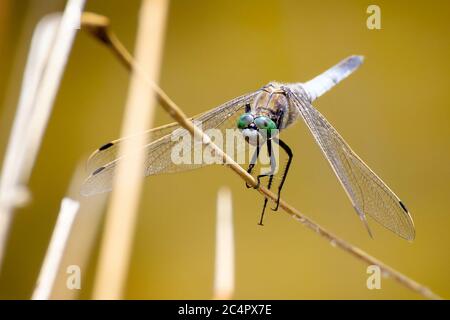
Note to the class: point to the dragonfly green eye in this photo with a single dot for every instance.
(244, 121)
(266, 123)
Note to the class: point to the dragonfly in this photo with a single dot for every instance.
(264, 114)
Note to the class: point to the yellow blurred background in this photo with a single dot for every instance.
(394, 112)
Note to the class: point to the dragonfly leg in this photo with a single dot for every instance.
(252, 165)
(273, 166)
(290, 154)
(265, 201)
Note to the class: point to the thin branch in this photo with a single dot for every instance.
(99, 27)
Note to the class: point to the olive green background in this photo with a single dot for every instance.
(394, 111)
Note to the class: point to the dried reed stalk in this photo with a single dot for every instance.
(56, 248)
(72, 245)
(51, 44)
(224, 263)
(99, 27)
(80, 244)
(120, 220)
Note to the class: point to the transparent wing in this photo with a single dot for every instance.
(367, 192)
(109, 151)
(158, 153)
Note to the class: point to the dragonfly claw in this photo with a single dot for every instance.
(250, 186)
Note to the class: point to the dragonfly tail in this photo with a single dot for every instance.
(327, 80)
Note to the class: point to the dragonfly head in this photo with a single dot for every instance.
(256, 129)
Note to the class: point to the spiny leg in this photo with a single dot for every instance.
(290, 154)
(273, 166)
(252, 165)
(269, 185)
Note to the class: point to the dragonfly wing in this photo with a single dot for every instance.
(367, 192)
(110, 151)
(159, 152)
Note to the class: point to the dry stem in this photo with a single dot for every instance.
(224, 260)
(122, 212)
(46, 62)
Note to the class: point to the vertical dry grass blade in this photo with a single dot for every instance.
(224, 264)
(82, 238)
(48, 56)
(73, 244)
(52, 261)
(14, 175)
(80, 244)
(121, 216)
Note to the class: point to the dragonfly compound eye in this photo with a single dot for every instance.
(244, 121)
(265, 123)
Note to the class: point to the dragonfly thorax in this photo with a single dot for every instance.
(265, 116)
(273, 103)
